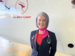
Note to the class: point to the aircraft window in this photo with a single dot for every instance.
(70, 45)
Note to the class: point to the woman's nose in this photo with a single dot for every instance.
(41, 22)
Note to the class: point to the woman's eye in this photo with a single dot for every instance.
(39, 19)
(43, 20)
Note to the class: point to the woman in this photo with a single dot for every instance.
(43, 41)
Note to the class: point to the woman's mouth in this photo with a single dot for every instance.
(41, 25)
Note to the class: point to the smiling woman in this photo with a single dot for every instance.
(43, 41)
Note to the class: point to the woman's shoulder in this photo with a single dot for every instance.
(33, 31)
(51, 32)
(47, 30)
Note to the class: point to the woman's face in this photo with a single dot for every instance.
(41, 21)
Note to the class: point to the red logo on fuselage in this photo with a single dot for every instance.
(22, 6)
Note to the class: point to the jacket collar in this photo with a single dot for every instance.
(37, 30)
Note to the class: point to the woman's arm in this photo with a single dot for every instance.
(53, 45)
(31, 39)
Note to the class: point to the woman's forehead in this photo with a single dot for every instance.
(41, 17)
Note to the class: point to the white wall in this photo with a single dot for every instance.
(62, 22)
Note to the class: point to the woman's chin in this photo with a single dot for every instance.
(41, 27)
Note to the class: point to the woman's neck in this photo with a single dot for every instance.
(40, 32)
